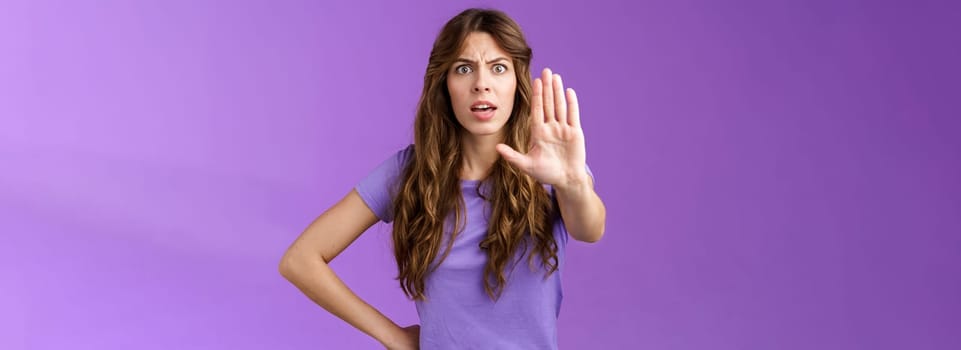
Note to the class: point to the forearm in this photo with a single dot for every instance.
(318, 282)
(581, 208)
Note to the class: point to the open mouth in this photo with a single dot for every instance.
(482, 109)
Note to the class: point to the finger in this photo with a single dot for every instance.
(560, 103)
(548, 80)
(573, 111)
(537, 104)
(521, 161)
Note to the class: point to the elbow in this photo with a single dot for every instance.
(286, 266)
(290, 264)
(595, 238)
(597, 233)
(591, 236)
(298, 262)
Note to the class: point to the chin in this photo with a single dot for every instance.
(484, 130)
(478, 128)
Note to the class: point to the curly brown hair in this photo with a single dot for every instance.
(522, 211)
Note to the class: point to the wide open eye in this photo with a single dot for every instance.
(500, 68)
(464, 69)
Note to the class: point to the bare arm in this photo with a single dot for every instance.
(305, 264)
(558, 157)
(583, 211)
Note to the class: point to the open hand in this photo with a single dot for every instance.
(557, 155)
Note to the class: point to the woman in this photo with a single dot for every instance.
(466, 206)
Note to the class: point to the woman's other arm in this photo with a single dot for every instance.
(305, 264)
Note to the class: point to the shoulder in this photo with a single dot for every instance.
(395, 162)
(381, 184)
(405, 154)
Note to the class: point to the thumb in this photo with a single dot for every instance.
(519, 160)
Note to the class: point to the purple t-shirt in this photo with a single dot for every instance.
(458, 314)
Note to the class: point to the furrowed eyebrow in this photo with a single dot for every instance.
(475, 62)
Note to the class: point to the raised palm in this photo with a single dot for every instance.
(557, 155)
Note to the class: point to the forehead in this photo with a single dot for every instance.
(480, 45)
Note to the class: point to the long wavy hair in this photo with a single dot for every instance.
(522, 212)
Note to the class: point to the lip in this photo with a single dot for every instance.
(483, 102)
(483, 115)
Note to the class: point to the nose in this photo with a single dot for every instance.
(481, 84)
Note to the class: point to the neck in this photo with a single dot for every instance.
(479, 155)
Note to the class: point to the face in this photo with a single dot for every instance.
(483, 74)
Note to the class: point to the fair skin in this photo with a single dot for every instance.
(306, 264)
(557, 157)
(482, 72)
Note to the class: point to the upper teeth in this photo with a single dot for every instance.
(482, 106)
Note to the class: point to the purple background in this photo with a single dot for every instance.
(778, 174)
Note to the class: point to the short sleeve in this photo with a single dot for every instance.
(376, 188)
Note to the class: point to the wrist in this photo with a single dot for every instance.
(391, 336)
(574, 182)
